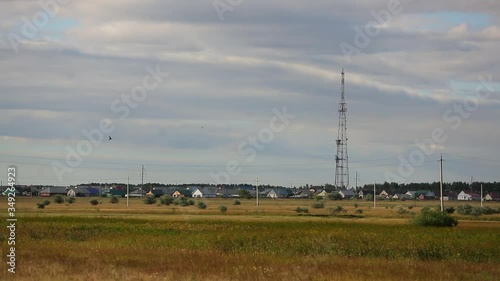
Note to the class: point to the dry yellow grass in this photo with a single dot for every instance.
(148, 242)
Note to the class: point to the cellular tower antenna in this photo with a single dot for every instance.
(342, 159)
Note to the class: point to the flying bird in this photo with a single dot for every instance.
(110, 138)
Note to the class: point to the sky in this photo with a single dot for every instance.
(231, 91)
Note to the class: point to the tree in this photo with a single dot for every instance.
(335, 195)
(244, 194)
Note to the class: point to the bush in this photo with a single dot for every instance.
(449, 210)
(166, 200)
(400, 210)
(190, 202)
(58, 199)
(475, 211)
(318, 205)
(40, 205)
(236, 202)
(223, 209)
(182, 201)
(113, 200)
(149, 199)
(202, 205)
(94, 202)
(301, 210)
(46, 202)
(356, 205)
(70, 200)
(435, 218)
(336, 210)
(359, 211)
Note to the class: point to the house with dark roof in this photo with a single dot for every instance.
(280, 193)
(347, 194)
(492, 196)
(78, 192)
(182, 192)
(54, 190)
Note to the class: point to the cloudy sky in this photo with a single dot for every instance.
(196, 90)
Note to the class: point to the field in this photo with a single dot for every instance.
(270, 242)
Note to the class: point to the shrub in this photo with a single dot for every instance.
(223, 209)
(70, 200)
(449, 210)
(166, 200)
(410, 207)
(359, 211)
(336, 209)
(202, 205)
(46, 202)
(425, 209)
(182, 201)
(94, 202)
(41, 205)
(400, 210)
(149, 199)
(356, 205)
(58, 199)
(475, 211)
(190, 202)
(113, 200)
(318, 205)
(301, 210)
(435, 218)
(236, 202)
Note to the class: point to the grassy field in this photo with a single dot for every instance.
(270, 242)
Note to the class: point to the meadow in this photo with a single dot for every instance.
(270, 242)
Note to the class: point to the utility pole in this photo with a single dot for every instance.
(257, 191)
(441, 182)
(356, 179)
(481, 195)
(128, 180)
(471, 181)
(142, 181)
(374, 195)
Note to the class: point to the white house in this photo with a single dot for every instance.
(464, 196)
(207, 192)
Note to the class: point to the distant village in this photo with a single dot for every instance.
(387, 191)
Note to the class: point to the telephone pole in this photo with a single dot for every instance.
(481, 195)
(257, 191)
(128, 180)
(356, 179)
(142, 181)
(441, 182)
